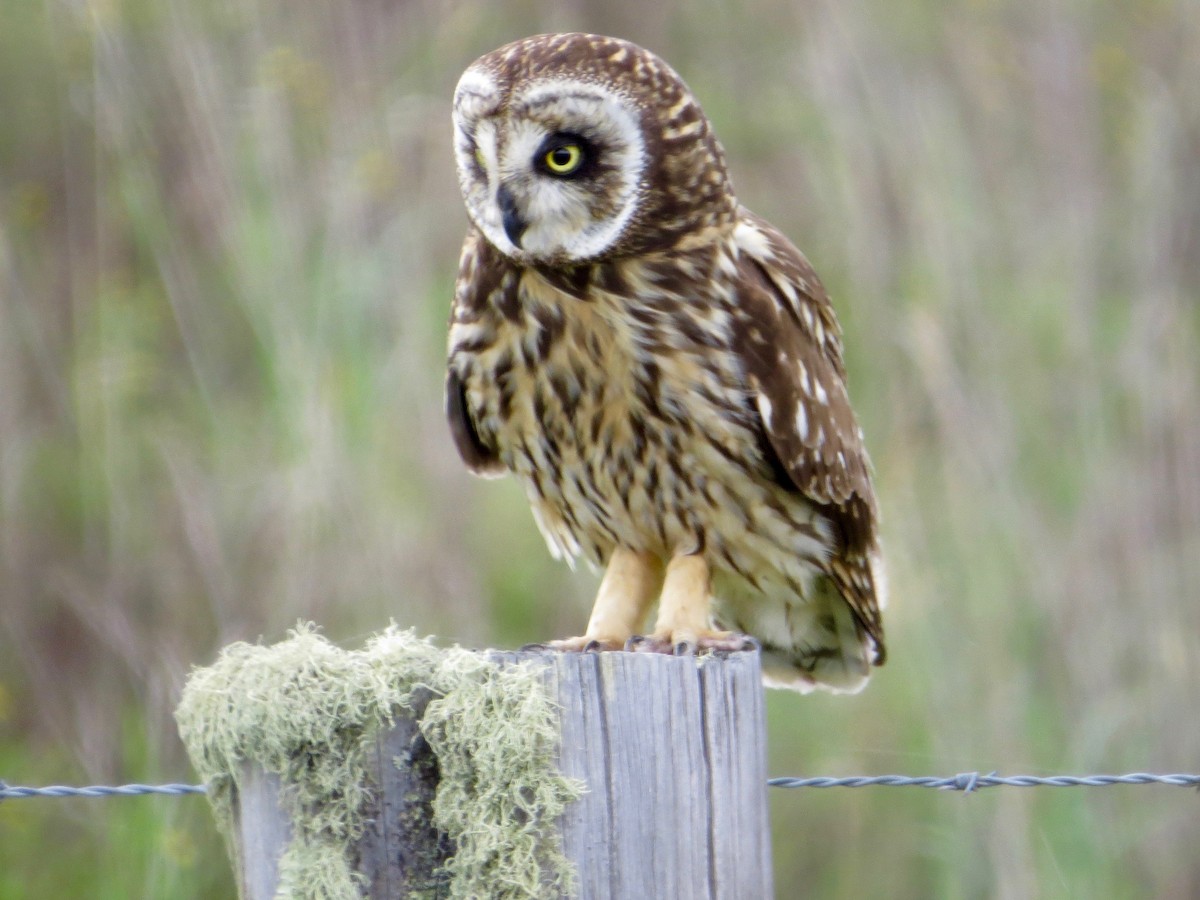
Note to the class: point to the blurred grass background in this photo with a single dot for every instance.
(228, 233)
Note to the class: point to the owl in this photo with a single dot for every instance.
(659, 367)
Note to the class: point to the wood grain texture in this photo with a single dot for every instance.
(262, 832)
(672, 752)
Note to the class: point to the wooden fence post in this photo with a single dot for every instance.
(671, 750)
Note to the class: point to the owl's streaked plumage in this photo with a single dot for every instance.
(660, 368)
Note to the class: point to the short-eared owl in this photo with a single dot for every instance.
(660, 368)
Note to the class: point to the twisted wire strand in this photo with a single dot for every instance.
(972, 781)
(967, 782)
(16, 792)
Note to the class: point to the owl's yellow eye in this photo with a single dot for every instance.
(480, 159)
(564, 160)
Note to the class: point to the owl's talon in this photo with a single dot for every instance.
(731, 643)
(648, 643)
(717, 642)
(583, 644)
(652, 643)
(536, 647)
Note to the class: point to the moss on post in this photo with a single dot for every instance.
(310, 712)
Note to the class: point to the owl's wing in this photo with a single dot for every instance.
(790, 344)
(480, 274)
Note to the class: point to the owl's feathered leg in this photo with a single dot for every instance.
(630, 584)
(684, 623)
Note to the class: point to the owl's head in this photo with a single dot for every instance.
(573, 148)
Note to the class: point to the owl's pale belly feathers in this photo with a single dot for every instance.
(627, 435)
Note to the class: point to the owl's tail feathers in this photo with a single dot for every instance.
(829, 650)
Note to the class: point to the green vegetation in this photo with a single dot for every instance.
(228, 234)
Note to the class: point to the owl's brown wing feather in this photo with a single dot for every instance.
(790, 343)
(479, 457)
(480, 275)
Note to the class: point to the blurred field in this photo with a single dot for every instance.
(228, 233)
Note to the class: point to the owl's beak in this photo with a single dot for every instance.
(514, 225)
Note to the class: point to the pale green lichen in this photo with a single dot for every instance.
(495, 745)
(306, 710)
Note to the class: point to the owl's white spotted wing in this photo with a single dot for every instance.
(790, 344)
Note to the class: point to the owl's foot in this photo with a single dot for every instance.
(683, 624)
(682, 643)
(627, 590)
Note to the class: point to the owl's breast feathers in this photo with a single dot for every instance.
(684, 401)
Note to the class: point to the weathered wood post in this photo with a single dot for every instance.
(664, 756)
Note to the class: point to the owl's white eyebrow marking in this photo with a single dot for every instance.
(537, 102)
(558, 89)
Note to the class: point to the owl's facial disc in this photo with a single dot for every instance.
(550, 173)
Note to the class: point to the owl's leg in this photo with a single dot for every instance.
(684, 623)
(631, 582)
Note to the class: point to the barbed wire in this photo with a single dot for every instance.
(967, 782)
